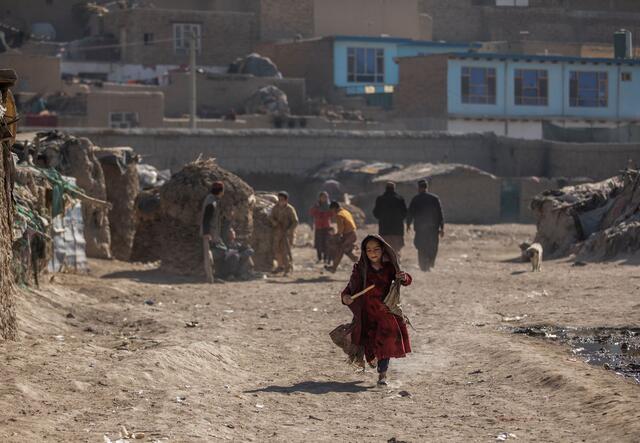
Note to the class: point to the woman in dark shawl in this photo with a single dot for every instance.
(382, 334)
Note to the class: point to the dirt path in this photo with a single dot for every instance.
(260, 366)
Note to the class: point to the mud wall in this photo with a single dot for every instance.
(7, 313)
(297, 151)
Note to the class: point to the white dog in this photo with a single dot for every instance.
(532, 253)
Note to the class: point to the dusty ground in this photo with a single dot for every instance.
(260, 365)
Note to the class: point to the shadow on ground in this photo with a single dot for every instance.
(315, 387)
(320, 279)
(154, 276)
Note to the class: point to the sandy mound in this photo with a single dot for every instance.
(597, 221)
(172, 231)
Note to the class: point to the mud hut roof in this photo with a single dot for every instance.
(351, 166)
(419, 171)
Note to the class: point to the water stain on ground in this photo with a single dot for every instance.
(615, 349)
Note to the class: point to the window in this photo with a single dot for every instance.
(148, 38)
(479, 85)
(123, 120)
(588, 89)
(182, 33)
(626, 77)
(531, 87)
(365, 65)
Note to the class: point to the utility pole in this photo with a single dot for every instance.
(192, 67)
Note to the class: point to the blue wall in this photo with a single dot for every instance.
(623, 97)
(393, 48)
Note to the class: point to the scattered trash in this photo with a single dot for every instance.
(405, 394)
(512, 319)
(181, 399)
(259, 405)
(149, 302)
(476, 372)
(192, 324)
(228, 311)
(505, 436)
(311, 417)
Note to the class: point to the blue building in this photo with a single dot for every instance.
(515, 94)
(366, 65)
(346, 69)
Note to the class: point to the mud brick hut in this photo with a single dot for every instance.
(168, 227)
(120, 169)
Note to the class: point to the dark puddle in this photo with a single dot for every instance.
(615, 349)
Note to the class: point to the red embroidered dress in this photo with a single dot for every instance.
(383, 334)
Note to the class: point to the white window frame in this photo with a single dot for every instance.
(181, 37)
(119, 120)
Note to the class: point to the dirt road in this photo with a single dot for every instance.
(113, 349)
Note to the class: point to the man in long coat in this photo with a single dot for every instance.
(425, 212)
(391, 211)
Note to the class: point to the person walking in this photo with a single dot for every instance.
(425, 212)
(284, 221)
(321, 215)
(345, 235)
(211, 229)
(391, 212)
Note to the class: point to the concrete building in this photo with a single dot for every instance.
(37, 74)
(539, 20)
(356, 66)
(514, 94)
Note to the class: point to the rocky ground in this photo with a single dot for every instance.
(115, 348)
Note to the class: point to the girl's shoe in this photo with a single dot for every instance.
(382, 379)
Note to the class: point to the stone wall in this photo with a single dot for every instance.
(297, 151)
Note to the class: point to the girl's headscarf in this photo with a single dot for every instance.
(388, 254)
(323, 206)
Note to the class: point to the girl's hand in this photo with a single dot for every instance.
(402, 276)
(346, 299)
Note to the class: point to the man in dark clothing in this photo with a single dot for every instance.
(425, 212)
(391, 211)
(211, 230)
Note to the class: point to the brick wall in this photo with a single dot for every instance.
(285, 19)
(460, 20)
(422, 90)
(311, 60)
(225, 35)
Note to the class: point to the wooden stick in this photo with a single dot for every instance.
(364, 291)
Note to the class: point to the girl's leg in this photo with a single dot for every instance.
(383, 366)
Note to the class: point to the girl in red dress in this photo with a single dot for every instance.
(382, 334)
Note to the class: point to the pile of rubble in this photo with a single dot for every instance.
(596, 221)
(169, 217)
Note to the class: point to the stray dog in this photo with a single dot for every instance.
(532, 252)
